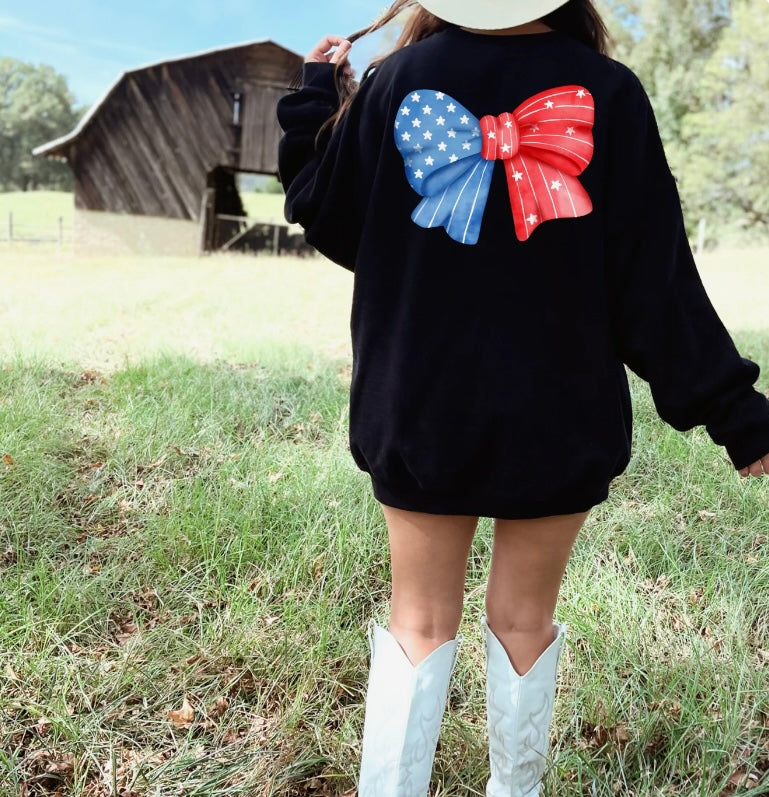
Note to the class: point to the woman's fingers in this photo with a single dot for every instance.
(757, 468)
(319, 52)
(339, 56)
(322, 50)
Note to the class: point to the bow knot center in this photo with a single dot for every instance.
(501, 137)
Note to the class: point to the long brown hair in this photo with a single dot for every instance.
(576, 18)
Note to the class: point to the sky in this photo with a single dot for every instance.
(91, 43)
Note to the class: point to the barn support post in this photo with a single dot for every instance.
(276, 239)
(207, 220)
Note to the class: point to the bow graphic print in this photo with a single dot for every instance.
(449, 156)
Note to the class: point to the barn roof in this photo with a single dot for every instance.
(52, 146)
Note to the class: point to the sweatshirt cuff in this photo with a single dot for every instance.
(319, 74)
(750, 442)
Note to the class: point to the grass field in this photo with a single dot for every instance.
(36, 207)
(45, 207)
(188, 555)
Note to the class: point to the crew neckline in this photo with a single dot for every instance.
(504, 37)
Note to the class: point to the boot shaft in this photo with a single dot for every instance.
(519, 712)
(404, 711)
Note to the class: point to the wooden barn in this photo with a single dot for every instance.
(155, 159)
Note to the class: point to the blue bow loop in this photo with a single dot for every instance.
(440, 142)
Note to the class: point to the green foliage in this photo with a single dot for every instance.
(679, 37)
(704, 65)
(732, 121)
(272, 186)
(36, 106)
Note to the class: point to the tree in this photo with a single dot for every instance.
(623, 19)
(727, 136)
(677, 37)
(35, 106)
(667, 43)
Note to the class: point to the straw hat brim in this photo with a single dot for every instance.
(490, 14)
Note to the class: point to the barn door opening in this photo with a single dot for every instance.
(221, 209)
(241, 213)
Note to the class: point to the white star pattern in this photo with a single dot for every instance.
(441, 133)
(555, 185)
(534, 128)
(506, 148)
(549, 104)
(581, 93)
(397, 124)
(491, 134)
(508, 124)
(569, 131)
(517, 176)
(532, 219)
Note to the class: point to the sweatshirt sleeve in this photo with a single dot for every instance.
(665, 327)
(326, 178)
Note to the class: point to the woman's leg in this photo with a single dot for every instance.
(528, 561)
(405, 702)
(429, 562)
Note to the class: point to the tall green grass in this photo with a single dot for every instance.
(182, 529)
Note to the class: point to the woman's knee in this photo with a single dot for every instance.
(506, 618)
(434, 621)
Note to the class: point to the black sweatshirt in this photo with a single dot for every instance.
(489, 333)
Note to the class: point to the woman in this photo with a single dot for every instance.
(491, 323)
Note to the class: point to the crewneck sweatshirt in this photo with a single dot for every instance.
(511, 254)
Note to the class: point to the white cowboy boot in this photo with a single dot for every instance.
(404, 709)
(519, 710)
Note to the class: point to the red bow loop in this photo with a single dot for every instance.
(555, 129)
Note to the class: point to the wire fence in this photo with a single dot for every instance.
(15, 231)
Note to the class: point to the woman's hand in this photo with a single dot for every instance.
(758, 468)
(324, 52)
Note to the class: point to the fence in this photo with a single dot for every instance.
(14, 231)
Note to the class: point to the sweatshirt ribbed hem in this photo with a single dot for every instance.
(502, 508)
